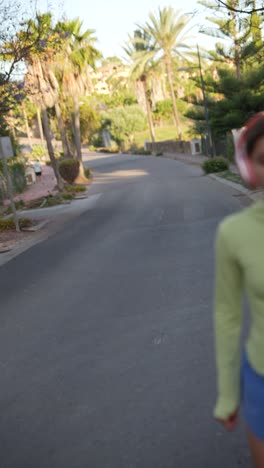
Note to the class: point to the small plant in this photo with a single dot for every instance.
(159, 154)
(87, 173)
(215, 165)
(9, 224)
(69, 170)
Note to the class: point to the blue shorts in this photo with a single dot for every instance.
(253, 399)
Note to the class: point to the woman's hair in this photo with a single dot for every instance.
(254, 133)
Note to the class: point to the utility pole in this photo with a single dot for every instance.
(206, 112)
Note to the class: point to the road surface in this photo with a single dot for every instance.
(106, 344)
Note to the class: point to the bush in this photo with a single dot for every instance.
(215, 165)
(159, 154)
(69, 169)
(9, 224)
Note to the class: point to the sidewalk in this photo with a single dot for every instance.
(42, 188)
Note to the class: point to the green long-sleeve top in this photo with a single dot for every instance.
(239, 268)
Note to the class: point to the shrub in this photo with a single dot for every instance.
(215, 165)
(159, 154)
(69, 169)
(9, 224)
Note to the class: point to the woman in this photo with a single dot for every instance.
(38, 169)
(239, 269)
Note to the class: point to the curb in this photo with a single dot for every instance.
(37, 227)
(249, 193)
(252, 195)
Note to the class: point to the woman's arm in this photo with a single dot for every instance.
(228, 320)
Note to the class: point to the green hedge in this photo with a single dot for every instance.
(215, 165)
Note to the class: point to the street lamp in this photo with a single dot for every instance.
(205, 103)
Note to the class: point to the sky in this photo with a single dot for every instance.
(114, 19)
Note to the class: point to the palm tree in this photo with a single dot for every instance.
(142, 68)
(167, 29)
(37, 78)
(78, 55)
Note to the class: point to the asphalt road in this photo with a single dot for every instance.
(106, 344)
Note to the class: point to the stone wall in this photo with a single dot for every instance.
(169, 146)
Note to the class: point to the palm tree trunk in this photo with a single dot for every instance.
(27, 125)
(81, 179)
(62, 131)
(40, 126)
(47, 133)
(149, 113)
(77, 130)
(174, 103)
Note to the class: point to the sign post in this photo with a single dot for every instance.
(6, 151)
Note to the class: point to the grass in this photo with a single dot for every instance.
(228, 175)
(9, 224)
(19, 206)
(75, 188)
(168, 132)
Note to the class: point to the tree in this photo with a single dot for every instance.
(241, 99)
(79, 54)
(142, 69)
(38, 79)
(246, 7)
(90, 122)
(243, 35)
(16, 43)
(167, 30)
(124, 122)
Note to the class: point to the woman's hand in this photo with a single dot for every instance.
(231, 422)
